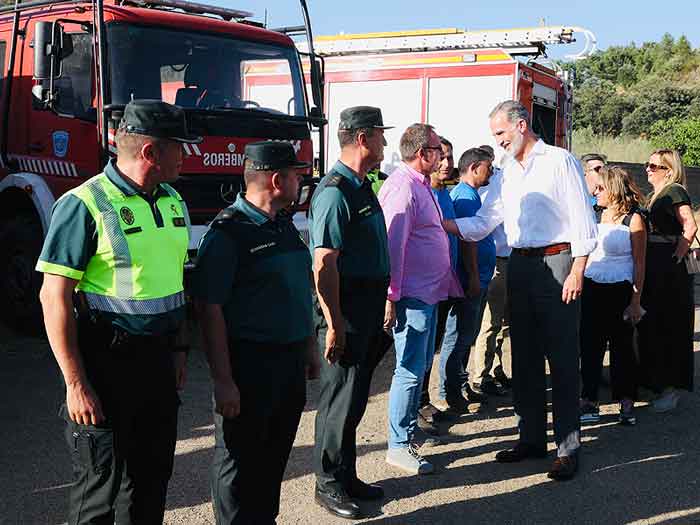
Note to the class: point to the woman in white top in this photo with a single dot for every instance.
(612, 292)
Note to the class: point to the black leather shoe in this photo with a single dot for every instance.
(473, 396)
(520, 452)
(338, 503)
(504, 380)
(360, 490)
(457, 405)
(564, 468)
(490, 388)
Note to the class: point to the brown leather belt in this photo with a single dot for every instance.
(552, 249)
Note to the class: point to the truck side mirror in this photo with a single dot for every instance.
(316, 83)
(316, 117)
(48, 43)
(51, 46)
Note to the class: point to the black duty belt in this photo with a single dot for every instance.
(235, 344)
(113, 338)
(364, 283)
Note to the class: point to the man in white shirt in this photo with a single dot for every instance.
(541, 199)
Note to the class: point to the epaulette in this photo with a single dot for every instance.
(225, 215)
(334, 180)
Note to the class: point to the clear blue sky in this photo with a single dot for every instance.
(614, 22)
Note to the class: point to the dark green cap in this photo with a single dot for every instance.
(156, 118)
(362, 117)
(272, 155)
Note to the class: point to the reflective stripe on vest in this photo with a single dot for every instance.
(115, 305)
(122, 259)
(138, 266)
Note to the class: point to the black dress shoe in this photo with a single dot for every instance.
(504, 380)
(473, 396)
(338, 503)
(563, 468)
(490, 388)
(364, 491)
(520, 452)
(457, 405)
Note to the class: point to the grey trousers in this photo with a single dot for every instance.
(543, 327)
(489, 344)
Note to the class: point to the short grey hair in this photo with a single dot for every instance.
(348, 137)
(415, 137)
(513, 110)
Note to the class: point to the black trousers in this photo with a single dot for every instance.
(344, 386)
(602, 325)
(542, 326)
(666, 331)
(251, 450)
(121, 467)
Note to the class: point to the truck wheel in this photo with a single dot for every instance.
(21, 239)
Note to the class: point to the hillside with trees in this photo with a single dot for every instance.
(630, 99)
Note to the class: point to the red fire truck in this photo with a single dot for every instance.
(70, 66)
(449, 78)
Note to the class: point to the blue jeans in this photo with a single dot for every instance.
(414, 340)
(461, 329)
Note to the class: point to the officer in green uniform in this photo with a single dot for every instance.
(118, 243)
(253, 298)
(351, 270)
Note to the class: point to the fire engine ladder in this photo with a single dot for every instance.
(524, 42)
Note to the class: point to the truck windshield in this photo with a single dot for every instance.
(203, 71)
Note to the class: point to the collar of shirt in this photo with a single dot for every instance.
(416, 175)
(251, 211)
(119, 180)
(538, 149)
(349, 174)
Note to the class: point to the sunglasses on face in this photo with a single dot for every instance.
(436, 148)
(655, 167)
(596, 169)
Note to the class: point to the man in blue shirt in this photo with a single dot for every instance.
(475, 266)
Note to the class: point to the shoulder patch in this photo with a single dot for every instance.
(225, 215)
(334, 180)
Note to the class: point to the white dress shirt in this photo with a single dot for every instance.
(545, 202)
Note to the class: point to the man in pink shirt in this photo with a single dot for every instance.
(421, 277)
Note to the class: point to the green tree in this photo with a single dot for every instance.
(679, 134)
(654, 102)
(599, 107)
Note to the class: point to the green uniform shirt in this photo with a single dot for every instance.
(355, 228)
(72, 240)
(259, 270)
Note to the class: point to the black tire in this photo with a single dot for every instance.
(21, 239)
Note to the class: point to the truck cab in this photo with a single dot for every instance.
(70, 67)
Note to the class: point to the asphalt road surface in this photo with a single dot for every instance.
(643, 474)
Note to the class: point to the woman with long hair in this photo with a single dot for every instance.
(612, 291)
(666, 333)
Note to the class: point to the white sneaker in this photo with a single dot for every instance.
(408, 459)
(666, 402)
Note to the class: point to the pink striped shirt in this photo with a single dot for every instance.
(419, 249)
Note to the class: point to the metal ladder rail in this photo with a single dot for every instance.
(524, 41)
